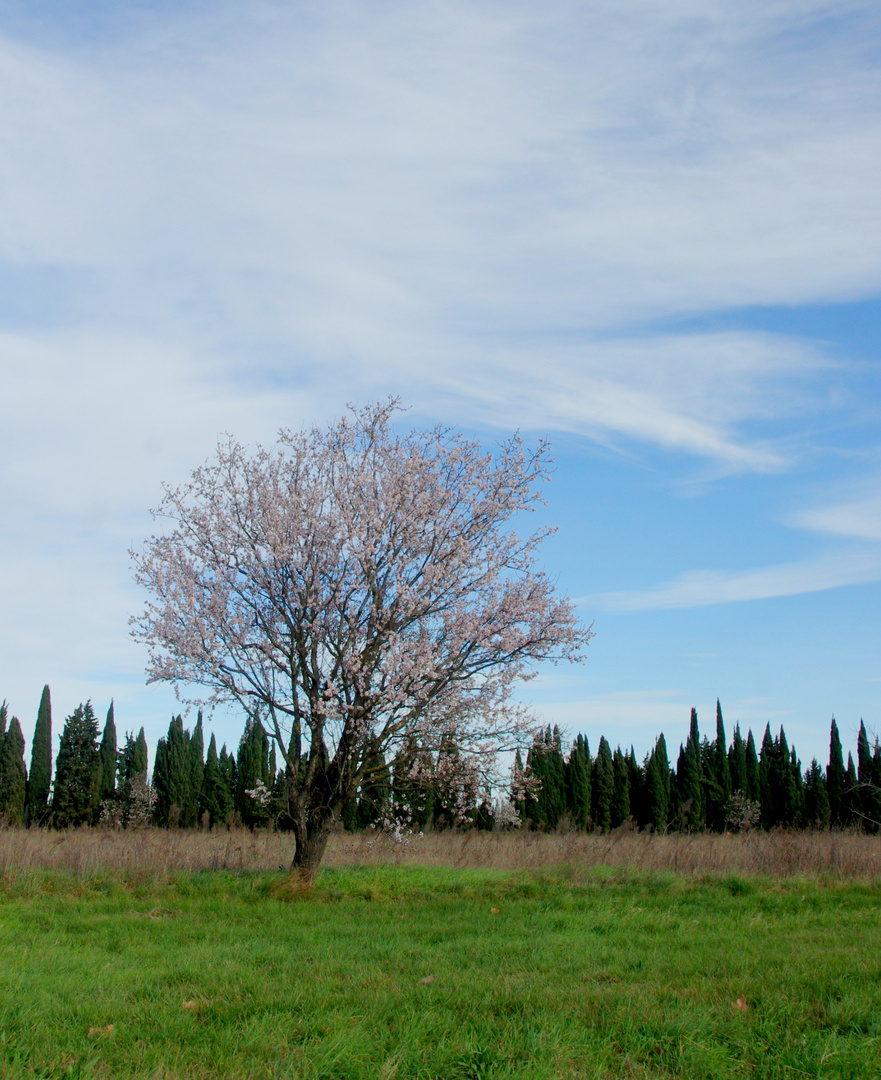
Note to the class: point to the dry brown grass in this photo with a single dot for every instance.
(159, 851)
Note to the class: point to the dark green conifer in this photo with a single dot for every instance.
(797, 790)
(602, 786)
(619, 811)
(753, 781)
(134, 803)
(40, 778)
(658, 787)
(107, 753)
(852, 808)
(197, 769)
(835, 777)
(4, 717)
(252, 775)
(869, 788)
(13, 775)
(139, 759)
(769, 779)
(737, 762)
(546, 805)
(689, 780)
(638, 796)
(816, 813)
(578, 783)
(718, 777)
(216, 798)
(227, 763)
(76, 796)
(176, 801)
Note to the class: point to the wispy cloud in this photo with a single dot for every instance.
(704, 587)
(860, 518)
(408, 193)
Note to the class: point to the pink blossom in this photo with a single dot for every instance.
(353, 588)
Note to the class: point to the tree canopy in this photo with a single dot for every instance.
(353, 588)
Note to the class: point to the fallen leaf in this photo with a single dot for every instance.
(428, 979)
(96, 1032)
(190, 1004)
(495, 911)
(740, 1005)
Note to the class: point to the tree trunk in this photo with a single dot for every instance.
(310, 845)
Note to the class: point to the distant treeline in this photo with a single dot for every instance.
(714, 786)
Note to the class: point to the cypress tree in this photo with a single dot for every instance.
(13, 775)
(619, 810)
(658, 786)
(176, 801)
(869, 789)
(797, 789)
(40, 779)
(876, 781)
(216, 798)
(4, 717)
(816, 813)
(769, 780)
(135, 799)
(578, 784)
(550, 767)
(851, 794)
(638, 797)
(689, 777)
(139, 759)
(718, 777)
(227, 763)
(252, 771)
(737, 762)
(835, 777)
(602, 786)
(197, 772)
(753, 780)
(780, 775)
(76, 797)
(545, 806)
(107, 753)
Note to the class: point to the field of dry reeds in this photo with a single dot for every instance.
(846, 855)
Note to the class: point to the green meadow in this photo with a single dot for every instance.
(438, 973)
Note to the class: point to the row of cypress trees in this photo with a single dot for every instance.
(714, 786)
(92, 775)
(96, 780)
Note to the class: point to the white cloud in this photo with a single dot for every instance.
(704, 587)
(860, 518)
(353, 184)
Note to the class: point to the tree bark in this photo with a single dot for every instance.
(310, 845)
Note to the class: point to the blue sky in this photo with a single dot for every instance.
(651, 233)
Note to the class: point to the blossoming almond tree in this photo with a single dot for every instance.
(353, 588)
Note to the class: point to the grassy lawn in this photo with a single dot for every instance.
(423, 972)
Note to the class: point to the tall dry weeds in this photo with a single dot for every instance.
(162, 852)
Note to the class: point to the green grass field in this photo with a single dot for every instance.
(420, 972)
